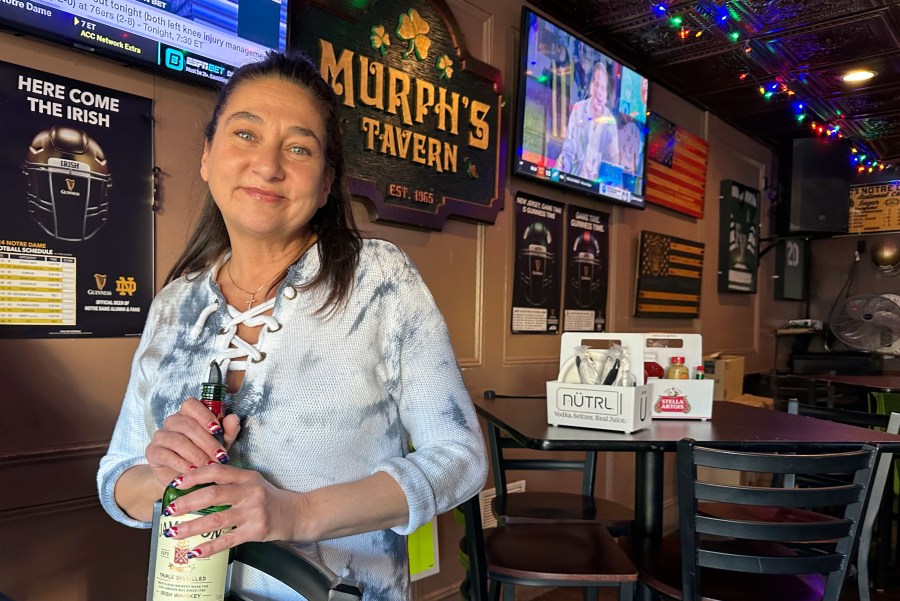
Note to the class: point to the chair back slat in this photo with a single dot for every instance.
(755, 564)
(781, 463)
(826, 496)
(544, 464)
(775, 531)
(500, 463)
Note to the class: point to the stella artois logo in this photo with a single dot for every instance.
(672, 401)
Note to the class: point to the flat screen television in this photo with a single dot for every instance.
(581, 121)
(200, 41)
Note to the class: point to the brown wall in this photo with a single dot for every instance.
(61, 397)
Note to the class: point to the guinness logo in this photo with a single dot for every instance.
(100, 280)
(70, 184)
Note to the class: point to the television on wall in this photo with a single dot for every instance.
(200, 41)
(581, 120)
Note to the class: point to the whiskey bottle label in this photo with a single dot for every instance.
(176, 577)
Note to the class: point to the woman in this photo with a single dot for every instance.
(591, 134)
(337, 359)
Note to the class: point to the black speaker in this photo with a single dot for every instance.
(814, 195)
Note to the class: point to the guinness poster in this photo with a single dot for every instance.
(587, 270)
(76, 221)
(537, 275)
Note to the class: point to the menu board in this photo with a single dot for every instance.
(874, 207)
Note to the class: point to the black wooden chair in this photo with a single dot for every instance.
(303, 574)
(739, 559)
(548, 555)
(790, 514)
(535, 507)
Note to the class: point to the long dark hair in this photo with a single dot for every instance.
(339, 241)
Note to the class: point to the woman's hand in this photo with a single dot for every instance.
(187, 440)
(258, 510)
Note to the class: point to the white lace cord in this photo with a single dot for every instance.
(237, 346)
(201, 321)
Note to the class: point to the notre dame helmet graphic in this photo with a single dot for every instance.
(585, 270)
(68, 183)
(536, 263)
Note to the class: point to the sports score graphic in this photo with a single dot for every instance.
(68, 182)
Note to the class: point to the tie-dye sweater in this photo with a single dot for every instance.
(333, 399)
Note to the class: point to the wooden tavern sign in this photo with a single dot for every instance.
(421, 117)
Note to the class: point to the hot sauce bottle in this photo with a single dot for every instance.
(652, 369)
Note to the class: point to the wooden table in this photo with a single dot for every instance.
(883, 383)
(733, 426)
(876, 383)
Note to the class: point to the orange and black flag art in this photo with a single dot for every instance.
(668, 276)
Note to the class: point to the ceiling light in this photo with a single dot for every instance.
(858, 75)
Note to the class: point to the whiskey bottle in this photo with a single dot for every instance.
(174, 575)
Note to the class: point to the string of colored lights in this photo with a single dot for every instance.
(724, 17)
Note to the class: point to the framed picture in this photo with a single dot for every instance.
(676, 167)
(668, 277)
(738, 237)
(791, 269)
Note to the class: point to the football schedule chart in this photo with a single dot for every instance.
(37, 290)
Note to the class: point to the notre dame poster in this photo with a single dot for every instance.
(76, 213)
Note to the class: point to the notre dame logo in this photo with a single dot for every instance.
(126, 286)
(100, 280)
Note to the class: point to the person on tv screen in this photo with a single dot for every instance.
(591, 134)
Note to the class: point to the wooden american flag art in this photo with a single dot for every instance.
(676, 167)
(668, 276)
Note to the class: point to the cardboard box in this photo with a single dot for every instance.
(763, 402)
(617, 408)
(679, 399)
(727, 371)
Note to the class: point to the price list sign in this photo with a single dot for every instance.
(875, 208)
(37, 290)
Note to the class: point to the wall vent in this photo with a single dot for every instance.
(486, 496)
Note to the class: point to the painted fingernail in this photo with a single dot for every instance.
(211, 462)
(170, 509)
(214, 428)
(194, 553)
(192, 467)
(222, 456)
(176, 482)
(170, 531)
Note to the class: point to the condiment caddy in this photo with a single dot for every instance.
(576, 398)
(684, 396)
(616, 358)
